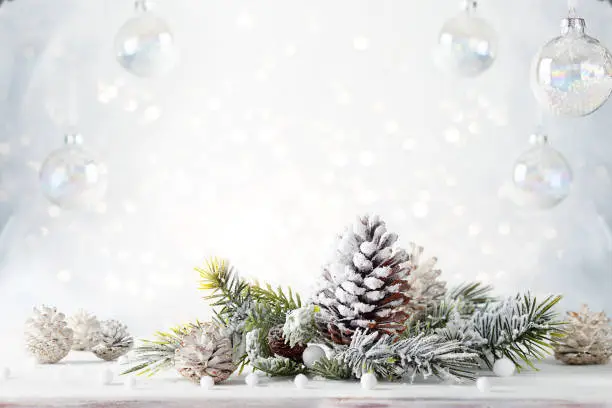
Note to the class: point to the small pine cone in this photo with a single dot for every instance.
(86, 328)
(114, 342)
(279, 346)
(206, 351)
(588, 340)
(48, 338)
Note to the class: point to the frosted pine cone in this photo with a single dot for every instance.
(425, 288)
(364, 286)
(278, 345)
(588, 341)
(114, 342)
(206, 351)
(48, 338)
(86, 330)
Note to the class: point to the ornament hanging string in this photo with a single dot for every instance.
(571, 6)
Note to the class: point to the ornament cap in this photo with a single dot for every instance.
(538, 139)
(469, 5)
(573, 25)
(73, 138)
(144, 5)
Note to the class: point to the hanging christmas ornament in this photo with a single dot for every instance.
(542, 176)
(144, 46)
(467, 44)
(71, 177)
(572, 73)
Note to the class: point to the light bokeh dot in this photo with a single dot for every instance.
(452, 135)
(366, 158)
(474, 230)
(64, 276)
(420, 209)
(503, 228)
(361, 43)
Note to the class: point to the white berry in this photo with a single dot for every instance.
(129, 383)
(312, 354)
(483, 384)
(252, 380)
(5, 373)
(106, 377)
(301, 381)
(369, 381)
(207, 382)
(504, 367)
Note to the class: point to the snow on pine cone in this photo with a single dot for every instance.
(280, 347)
(364, 286)
(206, 351)
(86, 328)
(48, 338)
(114, 341)
(588, 340)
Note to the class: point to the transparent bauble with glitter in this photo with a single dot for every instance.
(71, 177)
(144, 46)
(542, 176)
(467, 44)
(572, 74)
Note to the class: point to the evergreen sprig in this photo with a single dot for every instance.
(332, 369)
(228, 290)
(153, 356)
(519, 328)
(396, 359)
(470, 296)
(276, 298)
(278, 366)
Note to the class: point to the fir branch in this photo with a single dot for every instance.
(332, 369)
(470, 296)
(278, 366)
(519, 328)
(396, 359)
(276, 298)
(435, 317)
(153, 356)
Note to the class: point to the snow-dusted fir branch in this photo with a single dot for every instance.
(392, 359)
(519, 328)
(278, 366)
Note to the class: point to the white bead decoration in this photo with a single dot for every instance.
(106, 377)
(312, 354)
(207, 382)
(483, 384)
(504, 367)
(252, 380)
(301, 381)
(5, 373)
(369, 381)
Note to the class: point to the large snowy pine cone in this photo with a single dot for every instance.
(206, 351)
(279, 346)
(115, 341)
(86, 328)
(365, 285)
(588, 340)
(47, 336)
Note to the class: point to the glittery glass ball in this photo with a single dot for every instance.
(572, 74)
(542, 176)
(467, 46)
(144, 46)
(71, 177)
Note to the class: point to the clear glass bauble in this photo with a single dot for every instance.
(467, 44)
(542, 176)
(572, 73)
(144, 46)
(71, 177)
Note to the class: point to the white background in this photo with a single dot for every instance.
(283, 121)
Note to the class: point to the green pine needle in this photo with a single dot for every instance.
(278, 366)
(332, 369)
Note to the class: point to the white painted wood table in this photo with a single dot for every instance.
(76, 382)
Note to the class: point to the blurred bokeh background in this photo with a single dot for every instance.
(282, 122)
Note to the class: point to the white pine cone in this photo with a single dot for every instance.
(588, 341)
(206, 351)
(86, 328)
(47, 336)
(425, 288)
(114, 341)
